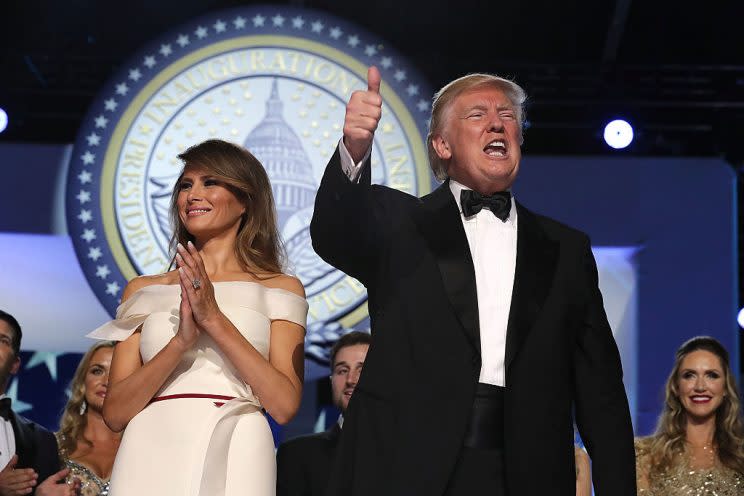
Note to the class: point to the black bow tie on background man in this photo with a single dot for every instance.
(498, 203)
(5, 408)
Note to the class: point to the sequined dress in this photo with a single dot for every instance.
(680, 480)
(90, 483)
(206, 434)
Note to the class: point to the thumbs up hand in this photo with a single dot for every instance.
(363, 114)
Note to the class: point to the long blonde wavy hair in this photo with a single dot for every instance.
(258, 246)
(668, 442)
(72, 424)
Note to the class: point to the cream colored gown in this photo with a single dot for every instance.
(185, 446)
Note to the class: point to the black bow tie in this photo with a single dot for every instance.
(5, 408)
(498, 203)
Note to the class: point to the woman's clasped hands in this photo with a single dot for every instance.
(198, 304)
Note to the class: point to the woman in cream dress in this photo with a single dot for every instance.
(205, 349)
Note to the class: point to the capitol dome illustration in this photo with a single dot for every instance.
(279, 149)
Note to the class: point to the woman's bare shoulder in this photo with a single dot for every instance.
(285, 282)
(140, 282)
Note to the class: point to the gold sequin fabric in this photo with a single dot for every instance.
(90, 483)
(680, 480)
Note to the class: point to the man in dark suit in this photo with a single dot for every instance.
(490, 331)
(28, 452)
(303, 464)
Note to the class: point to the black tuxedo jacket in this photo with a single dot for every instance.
(405, 424)
(36, 447)
(303, 464)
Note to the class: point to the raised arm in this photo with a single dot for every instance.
(132, 384)
(344, 228)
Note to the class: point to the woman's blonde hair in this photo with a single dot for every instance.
(72, 424)
(445, 97)
(258, 246)
(668, 442)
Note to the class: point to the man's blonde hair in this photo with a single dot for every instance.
(445, 97)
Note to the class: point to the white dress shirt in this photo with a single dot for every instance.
(493, 246)
(7, 440)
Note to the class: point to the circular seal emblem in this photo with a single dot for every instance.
(273, 79)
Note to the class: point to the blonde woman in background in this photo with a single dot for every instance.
(698, 447)
(86, 445)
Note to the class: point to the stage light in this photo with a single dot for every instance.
(618, 134)
(740, 318)
(3, 120)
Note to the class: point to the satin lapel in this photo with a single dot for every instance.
(23, 441)
(440, 224)
(533, 276)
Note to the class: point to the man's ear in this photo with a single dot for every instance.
(442, 147)
(16, 365)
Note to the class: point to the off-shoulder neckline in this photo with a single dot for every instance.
(253, 283)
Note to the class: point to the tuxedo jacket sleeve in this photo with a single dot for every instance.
(347, 227)
(601, 408)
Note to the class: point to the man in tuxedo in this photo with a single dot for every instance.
(28, 452)
(303, 464)
(490, 332)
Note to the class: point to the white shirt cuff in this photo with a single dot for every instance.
(352, 170)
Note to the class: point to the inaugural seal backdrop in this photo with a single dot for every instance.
(274, 79)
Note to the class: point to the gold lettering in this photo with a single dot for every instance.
(165, 101)
(153, 117)
(137, 237)
(216, 69)
(326, 78)
(128, 220)
(278, 63)
(182, 90)
(190, 78)
(232, 64)
(129, 188)
(295, 58)
(355, 285)
(257, 60)
(398, 163)
(309, 66)
(343, 78)
(391, 148)
(341, 295)
(148, 250)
